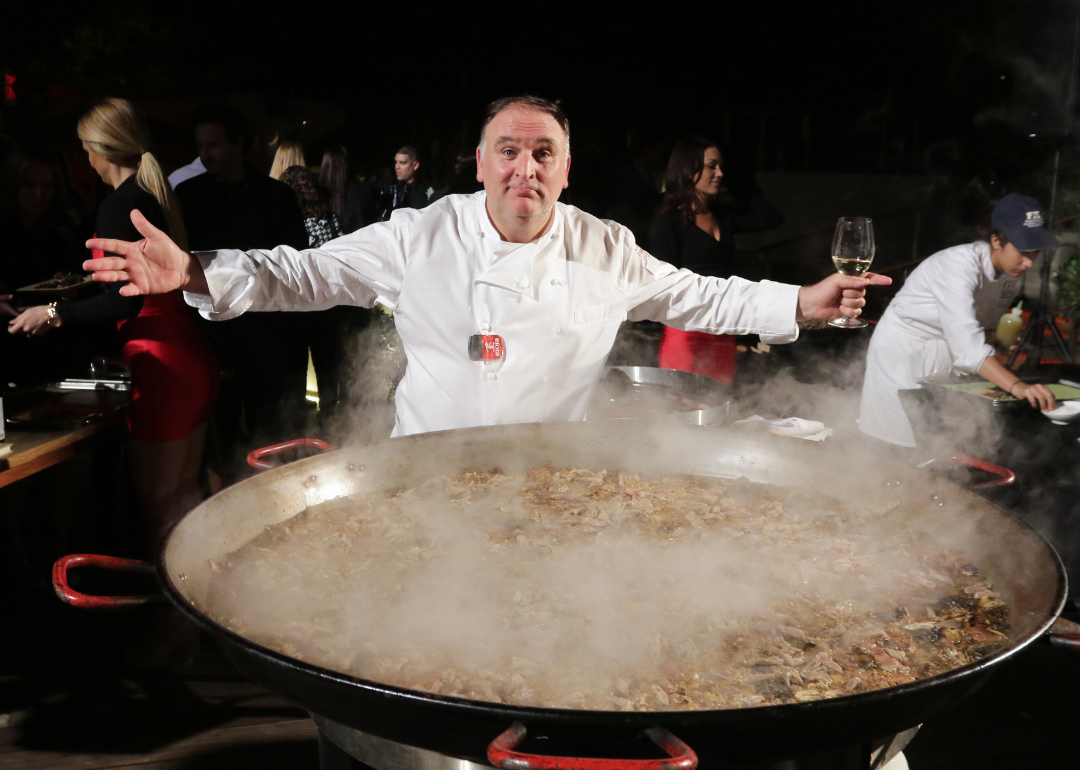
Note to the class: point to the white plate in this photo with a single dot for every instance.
(1066, 412)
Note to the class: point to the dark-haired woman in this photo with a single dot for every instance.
(695, 230)
(351, 202)
(938, 319)
(37, 244)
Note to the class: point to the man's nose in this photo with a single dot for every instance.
(526, 166)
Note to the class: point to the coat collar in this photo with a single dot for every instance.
(522, 270)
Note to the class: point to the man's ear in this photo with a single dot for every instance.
(567, 182)
(479, 166)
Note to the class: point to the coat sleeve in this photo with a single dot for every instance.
(658, 291)
(953, 288)
(361, 268)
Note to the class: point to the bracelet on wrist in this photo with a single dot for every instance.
(54, 317)
(1013, 386)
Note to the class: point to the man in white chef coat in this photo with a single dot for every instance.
(551, 281)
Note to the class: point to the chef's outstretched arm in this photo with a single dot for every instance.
(154, 265)
(837, 295)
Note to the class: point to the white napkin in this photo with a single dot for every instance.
(811, 430)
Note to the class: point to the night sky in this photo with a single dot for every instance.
(412, 74)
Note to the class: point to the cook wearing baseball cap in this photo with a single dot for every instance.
(1021, 219)
(932, 326)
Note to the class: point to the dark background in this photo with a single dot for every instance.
(919, 86)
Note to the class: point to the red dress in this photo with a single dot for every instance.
(712, 355)
(174, 372)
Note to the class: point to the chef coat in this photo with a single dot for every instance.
(557, 302)
(936, 323)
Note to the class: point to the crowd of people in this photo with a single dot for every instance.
(198, 277)
(243, 375)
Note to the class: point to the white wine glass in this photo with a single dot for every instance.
(852, 253)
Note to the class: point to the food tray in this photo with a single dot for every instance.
(38, 294)
(643, 392)
(985, 390)
(41, 410)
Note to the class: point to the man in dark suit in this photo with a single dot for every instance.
(233, 206)
(406, 190)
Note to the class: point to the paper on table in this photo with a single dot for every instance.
(796, 427)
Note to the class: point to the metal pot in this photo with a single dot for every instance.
(1023, 565)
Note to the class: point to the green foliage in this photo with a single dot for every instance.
(1067, 278)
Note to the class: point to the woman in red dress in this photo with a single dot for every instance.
(174, 371)
(695, 229)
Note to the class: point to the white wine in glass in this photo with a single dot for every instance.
(852, 254)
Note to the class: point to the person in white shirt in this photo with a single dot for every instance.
(937, 321)
(184, 173)
(553, 282)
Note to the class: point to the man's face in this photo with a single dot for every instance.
(405, 167)
(523, 162)
(216, 152)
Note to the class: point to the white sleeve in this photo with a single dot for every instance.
(657, 291)
(361, 268)
(953, 289)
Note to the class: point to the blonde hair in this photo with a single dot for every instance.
(288, 154)
(116, 130)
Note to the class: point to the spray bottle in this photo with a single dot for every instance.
(1010, 326)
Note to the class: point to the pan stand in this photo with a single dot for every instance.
(345, 748)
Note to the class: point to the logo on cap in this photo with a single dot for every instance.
(1033, 219)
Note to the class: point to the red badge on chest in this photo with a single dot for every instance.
(486, 347)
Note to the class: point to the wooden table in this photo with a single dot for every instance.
(33, 451)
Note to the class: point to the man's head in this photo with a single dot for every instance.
(406, 163)
(220, 134)
(524, 156)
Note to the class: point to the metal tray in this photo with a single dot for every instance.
(37, 294)
(647, 392)
(90, 384)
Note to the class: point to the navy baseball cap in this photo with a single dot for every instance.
(1021, 218)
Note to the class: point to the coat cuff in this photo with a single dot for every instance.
(230, 276)
(778, 304)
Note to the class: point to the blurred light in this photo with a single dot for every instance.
(1002, 77)
(1031, 135)
(9, 87)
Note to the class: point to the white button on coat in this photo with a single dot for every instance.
(434, 270)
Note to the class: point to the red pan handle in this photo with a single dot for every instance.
(90, 602)
(255, 458)
(501, 754)
(1005, 476)
(1066, 641)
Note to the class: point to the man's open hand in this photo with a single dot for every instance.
(837, 295)
(154, 265)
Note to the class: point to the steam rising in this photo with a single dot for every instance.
(587, 589)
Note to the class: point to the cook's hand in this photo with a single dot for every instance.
(154, 265)
(6, 308)
(33, 320)
(1039, 396)
(837, 295)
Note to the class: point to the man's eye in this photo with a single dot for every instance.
(507, 152)
(543, 155)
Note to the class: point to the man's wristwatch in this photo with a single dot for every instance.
(54, 317)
